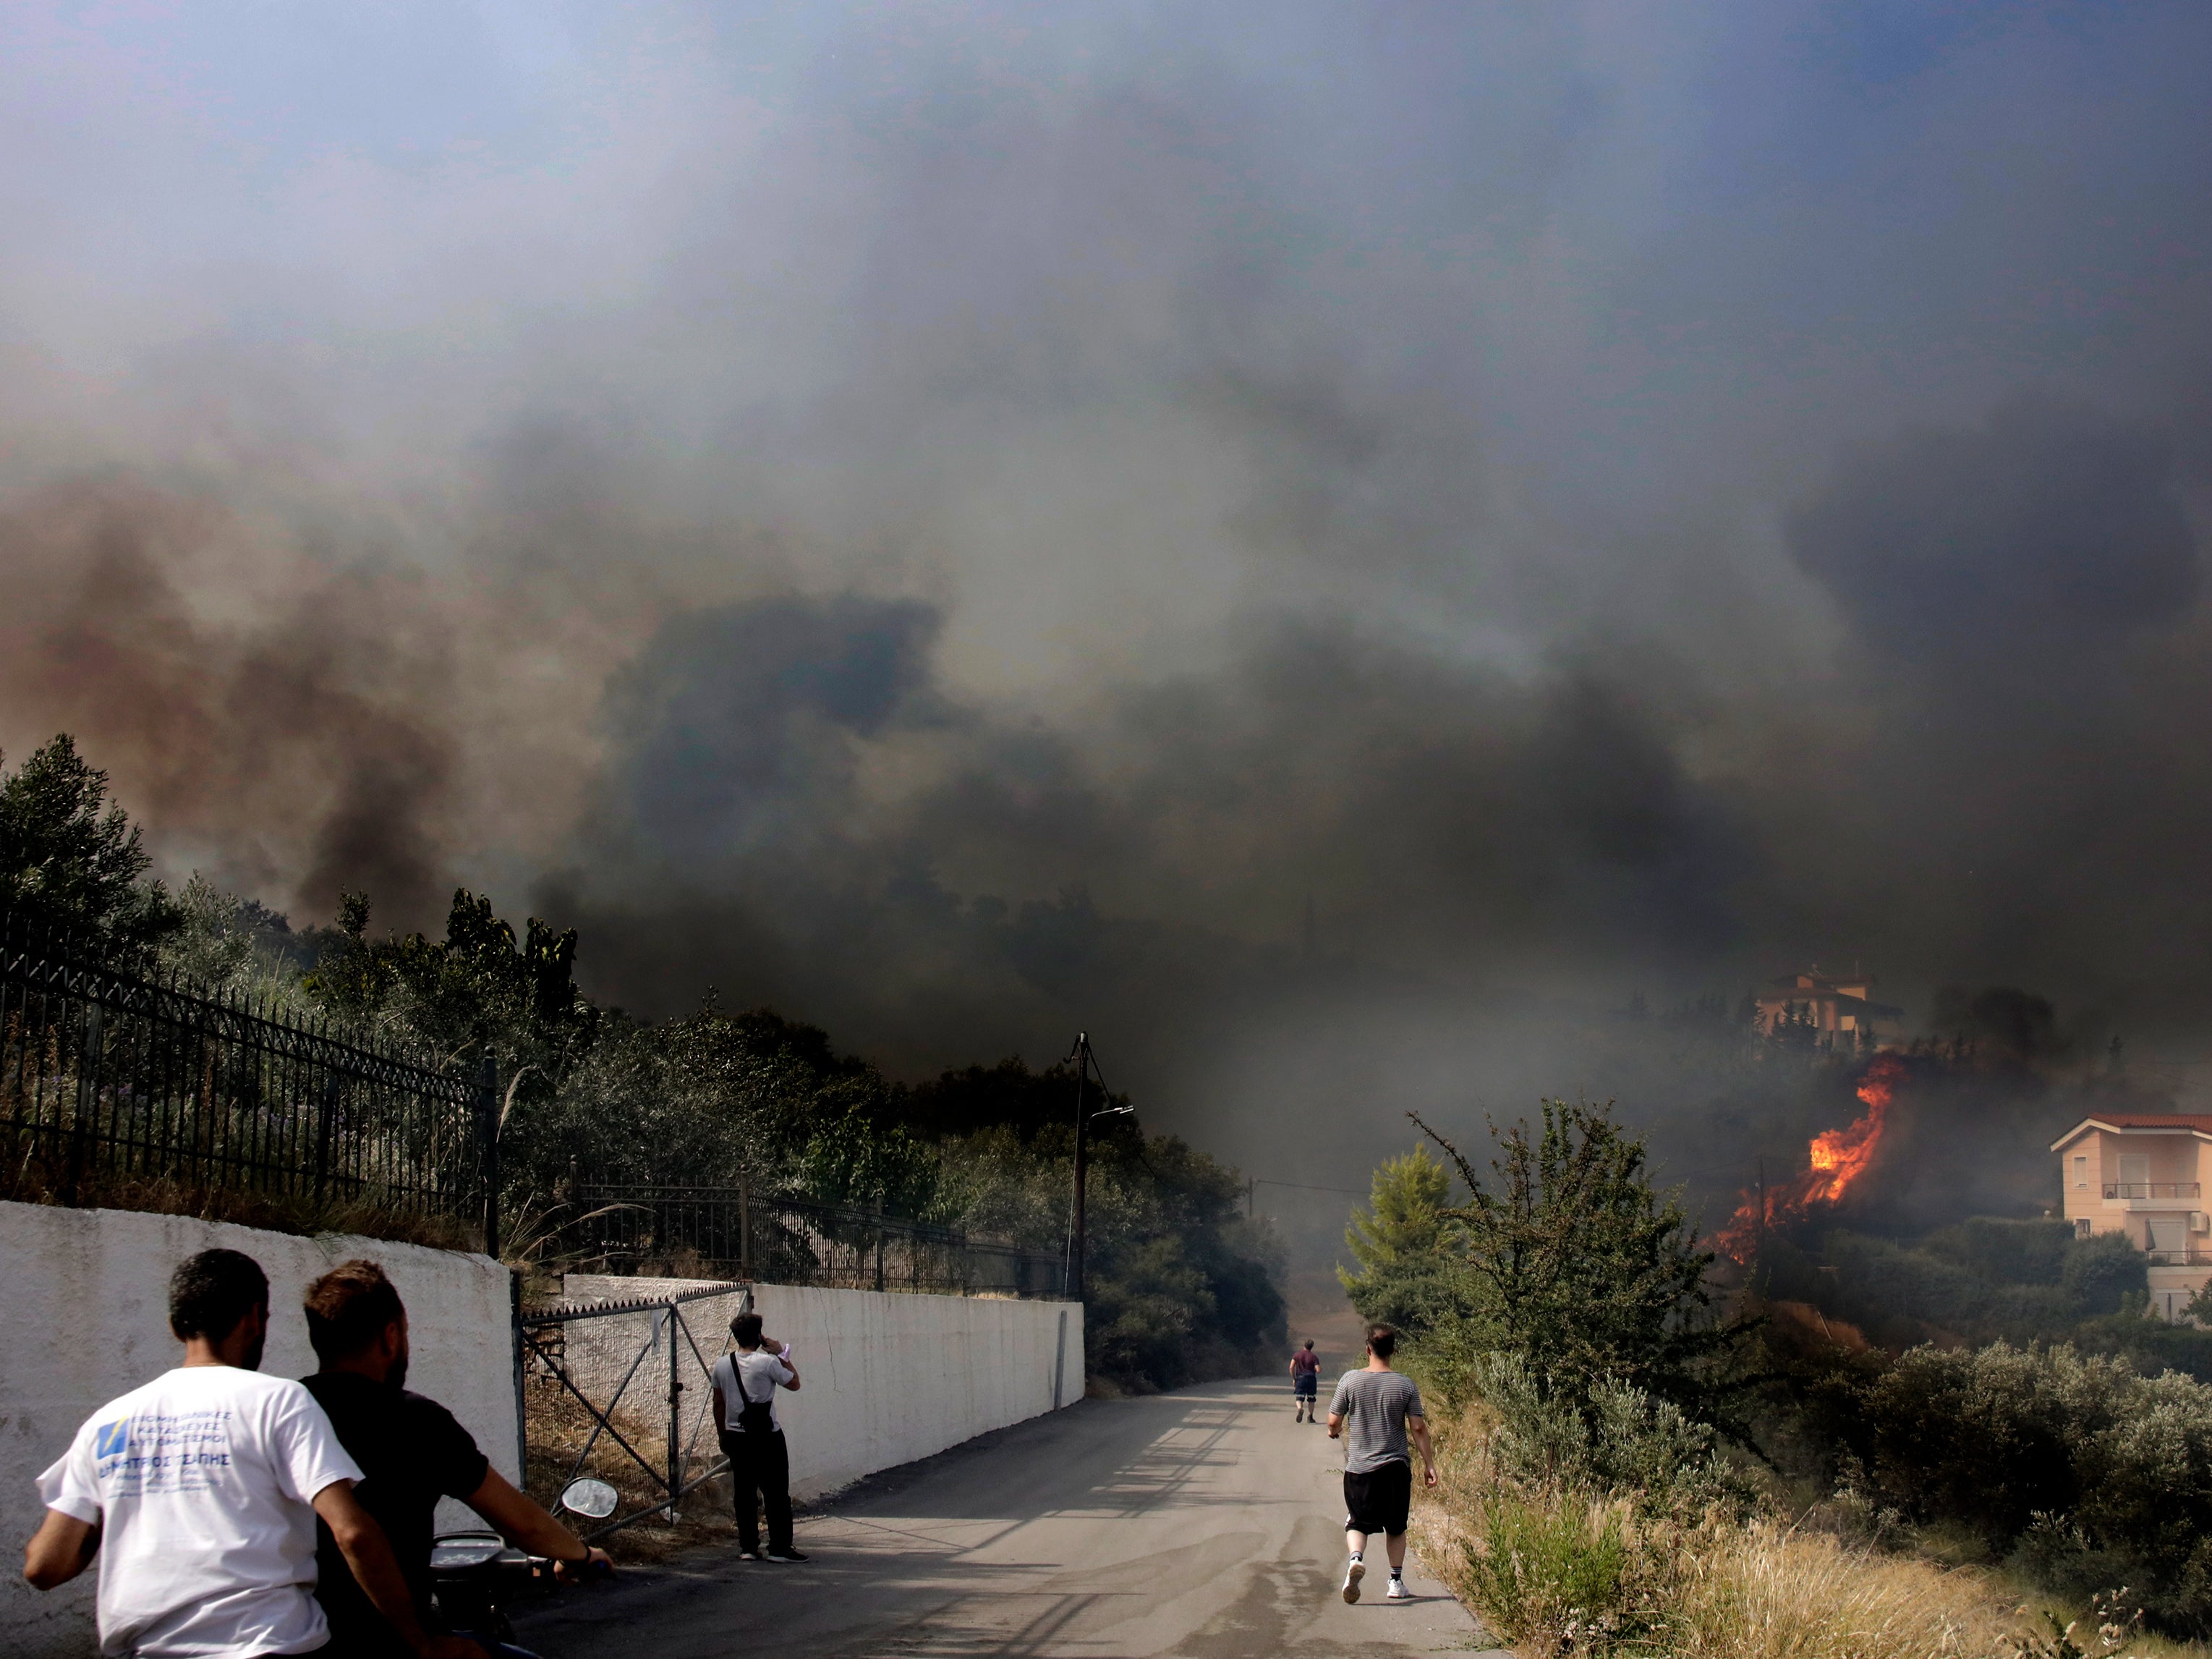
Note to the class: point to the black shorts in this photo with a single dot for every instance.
(1379, 1500)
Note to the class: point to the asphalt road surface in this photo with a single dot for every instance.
(1204, 1523)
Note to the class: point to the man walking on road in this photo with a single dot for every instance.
(1305, 1383)
(744, 1411)
(1373, 1412)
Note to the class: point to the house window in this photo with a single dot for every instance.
(2082, 1227)
(2081, 1173)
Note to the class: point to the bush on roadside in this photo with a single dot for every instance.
(2082, 1473)
(1553, 1570)
(1611, 1442)
(1555, 1574)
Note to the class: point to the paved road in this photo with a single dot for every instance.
(1203, 1523)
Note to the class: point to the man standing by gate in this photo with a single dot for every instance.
(744, 1411)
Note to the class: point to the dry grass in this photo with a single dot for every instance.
(270, 1211)
(1762, 1592)
(1578, 1577)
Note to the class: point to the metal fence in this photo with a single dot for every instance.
(108, 1079)
(718, 1231)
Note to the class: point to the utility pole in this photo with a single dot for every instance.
(1086, 1066)
(1082, 1057)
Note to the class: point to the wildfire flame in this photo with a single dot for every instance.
(1835, 1160)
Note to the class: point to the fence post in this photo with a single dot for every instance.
(325, 1122)
(521, 1410)
(87, 1105)
(745, 1231)
(675, 1413)
(488, 1146)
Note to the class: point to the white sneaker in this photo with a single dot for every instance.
(1352, 1575)
(1397, 1592)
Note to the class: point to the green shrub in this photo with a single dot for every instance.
(1984, 1280)
(2099, 1272)
(1558, 1575)
(1994, 1248)
(1612, 1442)
(2086, 1475)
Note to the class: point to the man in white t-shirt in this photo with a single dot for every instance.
(745, 1412)
(198, 1494)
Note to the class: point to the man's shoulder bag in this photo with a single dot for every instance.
(752, 1414)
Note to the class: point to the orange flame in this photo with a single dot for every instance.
(1837, 1157)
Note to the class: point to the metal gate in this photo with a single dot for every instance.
(623, 1391)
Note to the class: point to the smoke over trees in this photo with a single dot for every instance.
(1181, 1287)
(964, 530)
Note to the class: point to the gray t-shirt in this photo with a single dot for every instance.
(1375, 1406)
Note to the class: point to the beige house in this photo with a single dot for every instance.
(1831, 1007)
(2138, 1174)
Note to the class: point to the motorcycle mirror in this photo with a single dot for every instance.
(595, 1500)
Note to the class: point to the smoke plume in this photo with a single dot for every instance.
(1336, 548)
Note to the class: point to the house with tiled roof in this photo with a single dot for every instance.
(1831, 1007)
(2140, 1175)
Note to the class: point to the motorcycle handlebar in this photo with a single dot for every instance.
(465, 1556)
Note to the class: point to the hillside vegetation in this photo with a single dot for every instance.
(1181, 1288)
(1635, 1462)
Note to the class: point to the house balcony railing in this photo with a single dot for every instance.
(2180, 1258)
(2150, 1190)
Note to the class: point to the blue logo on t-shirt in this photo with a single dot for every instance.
(112, 1439)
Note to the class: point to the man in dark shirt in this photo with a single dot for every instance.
(411, 1451)
(1305, 1382)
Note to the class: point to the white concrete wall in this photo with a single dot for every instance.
(84, 1317)
(888, 1378)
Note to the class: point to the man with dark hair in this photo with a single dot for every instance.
(1305, 1383)
(412, 1453)
(1374, 1410)
(745, 1412)
(199, 1492)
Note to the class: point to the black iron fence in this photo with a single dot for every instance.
(729, 1231)
(109, 1080)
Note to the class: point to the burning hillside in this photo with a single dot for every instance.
(1835, 1161)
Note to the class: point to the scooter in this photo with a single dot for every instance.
(475, 1576)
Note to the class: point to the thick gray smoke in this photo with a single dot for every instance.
(1333, 546)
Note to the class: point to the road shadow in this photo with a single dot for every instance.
(904, 1560)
